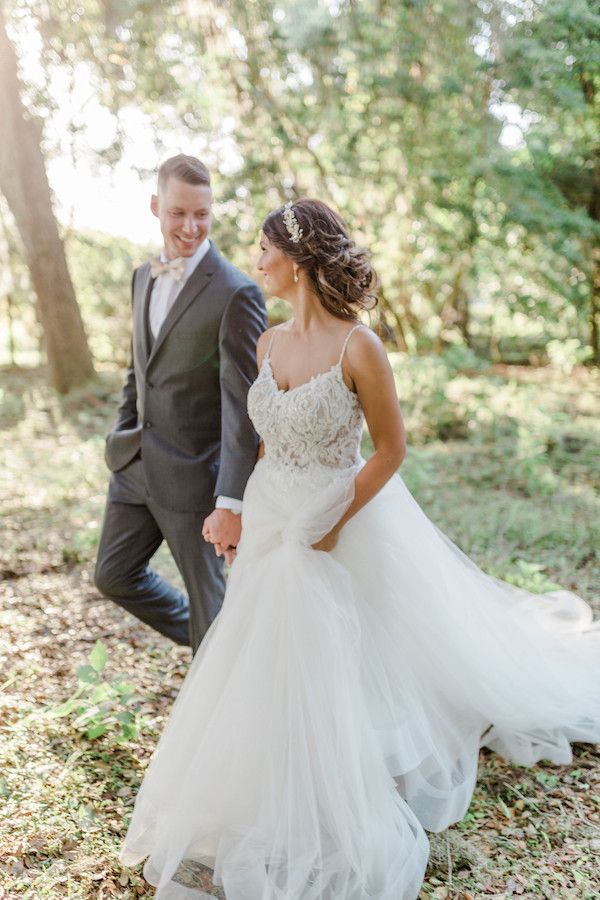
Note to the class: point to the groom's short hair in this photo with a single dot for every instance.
(185, 168)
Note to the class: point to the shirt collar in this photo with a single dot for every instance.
(191, 262)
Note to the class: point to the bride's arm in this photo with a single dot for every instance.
(261, 349)
(366, 363)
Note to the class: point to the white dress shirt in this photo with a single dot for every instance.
(164, 293)
(165, 289)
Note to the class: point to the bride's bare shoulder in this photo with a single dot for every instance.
(365, 348)
(263, 342)
(265, 337)
(366, 365)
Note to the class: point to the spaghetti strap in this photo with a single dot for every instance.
(345, 344)
(276, 328)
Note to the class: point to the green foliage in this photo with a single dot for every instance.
(99, 705)
(423, 388)
(551, 66)
(531, 576)
(67, 800)
(565, 355)
(101, 268)
(393, 113)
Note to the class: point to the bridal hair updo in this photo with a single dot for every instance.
(316, 239)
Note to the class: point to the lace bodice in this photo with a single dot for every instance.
(315, 426)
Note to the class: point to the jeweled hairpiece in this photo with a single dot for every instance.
(291, 223)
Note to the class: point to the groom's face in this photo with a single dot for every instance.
(184, 213)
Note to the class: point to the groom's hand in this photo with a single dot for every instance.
(222, 527)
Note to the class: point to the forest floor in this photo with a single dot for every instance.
(505, 461)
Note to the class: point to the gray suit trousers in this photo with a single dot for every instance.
(134, 527)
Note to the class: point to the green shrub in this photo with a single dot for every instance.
(99, 706)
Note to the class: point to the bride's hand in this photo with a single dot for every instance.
(328, 541)
(228, 552)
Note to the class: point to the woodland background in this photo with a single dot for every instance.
(461, 142)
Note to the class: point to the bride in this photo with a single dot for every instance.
(336, 707)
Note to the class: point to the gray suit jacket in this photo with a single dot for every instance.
(184, 401)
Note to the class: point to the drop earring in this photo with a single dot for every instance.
(295, 277)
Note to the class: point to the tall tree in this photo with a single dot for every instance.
(24, 183)
(383, 109)
(387, 110)
(551, 67)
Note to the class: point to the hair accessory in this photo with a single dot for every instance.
(291, 223)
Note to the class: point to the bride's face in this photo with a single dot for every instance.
(276, 267)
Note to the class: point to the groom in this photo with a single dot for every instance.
(183, 446)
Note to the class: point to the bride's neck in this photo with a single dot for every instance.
(307, 310)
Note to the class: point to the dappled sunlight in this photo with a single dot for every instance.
(474, 488)
(478, 489)
(458, 142)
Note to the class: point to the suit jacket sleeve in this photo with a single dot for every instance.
(242, 323)
(127, 412)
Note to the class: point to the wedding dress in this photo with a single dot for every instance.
(336, 707)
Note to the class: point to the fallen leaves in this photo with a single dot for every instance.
(530, 834)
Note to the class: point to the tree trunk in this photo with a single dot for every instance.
(456, 310)
(594, 214)
(11, 331)
(588, 86)
(595, 307)
(24, 183)
(397, 328)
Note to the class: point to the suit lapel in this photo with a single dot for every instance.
(195, 284)
(141, 313)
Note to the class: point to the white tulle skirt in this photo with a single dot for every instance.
(336, 707)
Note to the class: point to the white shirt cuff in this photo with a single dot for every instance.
(229, 503)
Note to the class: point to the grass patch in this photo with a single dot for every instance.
(504, 460)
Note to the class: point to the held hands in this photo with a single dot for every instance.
(223, 529)
(229, 553)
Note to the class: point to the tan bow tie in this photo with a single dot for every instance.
(175, 267)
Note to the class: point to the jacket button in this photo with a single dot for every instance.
(149, 385)
(147, 424)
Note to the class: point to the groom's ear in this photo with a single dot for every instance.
(154, 205)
